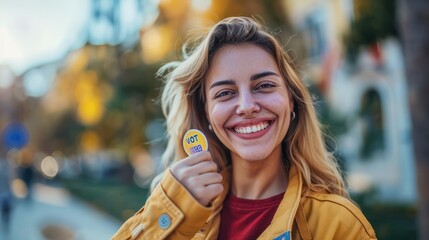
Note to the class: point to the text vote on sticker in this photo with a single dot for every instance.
(194, 141)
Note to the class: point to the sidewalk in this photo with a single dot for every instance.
(54, 214)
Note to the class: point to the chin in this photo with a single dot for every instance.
(252, 156)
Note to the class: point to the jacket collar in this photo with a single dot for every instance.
(284, 217)
(286, 210)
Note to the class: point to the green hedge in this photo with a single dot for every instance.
(119, 200)
(389, 220)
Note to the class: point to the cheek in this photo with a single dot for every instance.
(278, 103)
(218, 114)
(217, 119)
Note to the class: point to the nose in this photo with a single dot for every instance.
(247, 104)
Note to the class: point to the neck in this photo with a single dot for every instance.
(258, 179)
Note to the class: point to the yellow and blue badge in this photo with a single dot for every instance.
(194, 141)
(283, 236)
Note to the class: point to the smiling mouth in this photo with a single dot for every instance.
(252, 128)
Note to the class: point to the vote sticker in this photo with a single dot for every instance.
(194, 141)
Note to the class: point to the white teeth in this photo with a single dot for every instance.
(252, 129)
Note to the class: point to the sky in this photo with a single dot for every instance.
(36, 32)
(33, 32)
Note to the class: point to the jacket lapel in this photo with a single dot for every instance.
(281, 225)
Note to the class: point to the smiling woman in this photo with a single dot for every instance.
(250, 113)
(266, 174)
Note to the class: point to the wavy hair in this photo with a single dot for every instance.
(183, 104)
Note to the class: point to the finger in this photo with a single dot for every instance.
(193, 166)
(206, 194)
(197, 158)
(208, 178)
(204, 167)
(213, 190)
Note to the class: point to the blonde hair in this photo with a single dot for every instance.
(183, 104)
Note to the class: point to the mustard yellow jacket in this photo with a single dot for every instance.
(172, 213)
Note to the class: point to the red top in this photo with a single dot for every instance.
(246, 218)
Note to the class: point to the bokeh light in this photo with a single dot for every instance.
(90, 141)
(201, 5)
(156, 43)
(359, 182)
(90, 107)
(19, 188)
(143, 166)
(49, 167)
(37, 82)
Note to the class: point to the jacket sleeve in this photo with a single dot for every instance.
(330, 216)
(171, 212)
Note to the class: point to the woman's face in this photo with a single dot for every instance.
(248, 104)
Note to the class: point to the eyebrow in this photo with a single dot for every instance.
(223, 82)
(252, 78)
(262, 74)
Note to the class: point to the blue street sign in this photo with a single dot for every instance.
(15, 135)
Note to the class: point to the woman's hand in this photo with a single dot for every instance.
(198, 173)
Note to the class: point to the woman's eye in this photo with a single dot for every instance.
(224, 93)
(265, 85)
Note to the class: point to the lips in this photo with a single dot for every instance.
(252, 128)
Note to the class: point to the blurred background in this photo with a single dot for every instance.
(81, 131)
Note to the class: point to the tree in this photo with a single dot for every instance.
(373, 22)
(414, 27)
